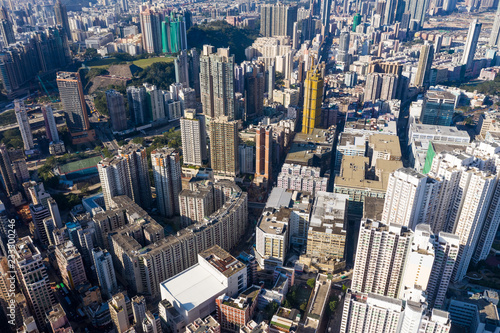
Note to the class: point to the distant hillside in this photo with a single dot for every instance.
(222, 34)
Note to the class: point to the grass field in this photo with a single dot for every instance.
(142, 63)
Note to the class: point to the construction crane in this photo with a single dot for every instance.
(45, 89)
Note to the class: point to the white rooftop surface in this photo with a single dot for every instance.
(193, 286)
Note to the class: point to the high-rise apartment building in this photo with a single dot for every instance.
(33, 279)
(75, 107)
(405, 198)
(197, 204)
(343, 54)
(105, 271)
(116, 109)
(194, 138)
(313, 98)
(254, 89)
(277, 20)
(50, 123)
(224, 142)
(380, 258)
(167, 177)
(138, 309)
(24, 124)
(173, 32)
(422, 79)
(471, 43)
(114, 176)
(62, 17)
(8, 179)
(137, 104)
(39, 213)
(217, 82)
(263, 151)
(70, 265)
(372, 313)
(151, 30)
(7, 31)
(446, 247)
(119, 311)
(136, 162)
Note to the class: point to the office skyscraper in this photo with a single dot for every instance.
(313, 97)
(24, 124)
(495, 30)
(8, 179)
(263, 150)
(471, 43)
(217, 82)
(105, 271)
(167, 178)
(116, 109)
(62, 17)
(194, 138)
(137, 104)
(422, 79)
(151, 31)
(137, 169)
(75, 107)
(438, 108)
(326, 7)
(224, 147)
(33, 279)
(50, 123)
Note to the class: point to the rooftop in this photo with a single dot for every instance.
(274, 221)
(193, 287)
(222, 260)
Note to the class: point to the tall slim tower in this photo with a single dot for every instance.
(116, 108)
(313, 97)
(326, 7)
(24, 124)
(167, 177)
(6, 28)
(103, 264)
(194, 138)
(495, 30)
(33, 279)
(151, 31)
(263, 149)
(424, 65)
(137, 104)
(73, 100)
(137, 170)
(62, 17)
(471, 43)
(6, 171)
(50, 123)
(224, 146)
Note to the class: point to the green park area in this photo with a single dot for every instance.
(142, 63)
